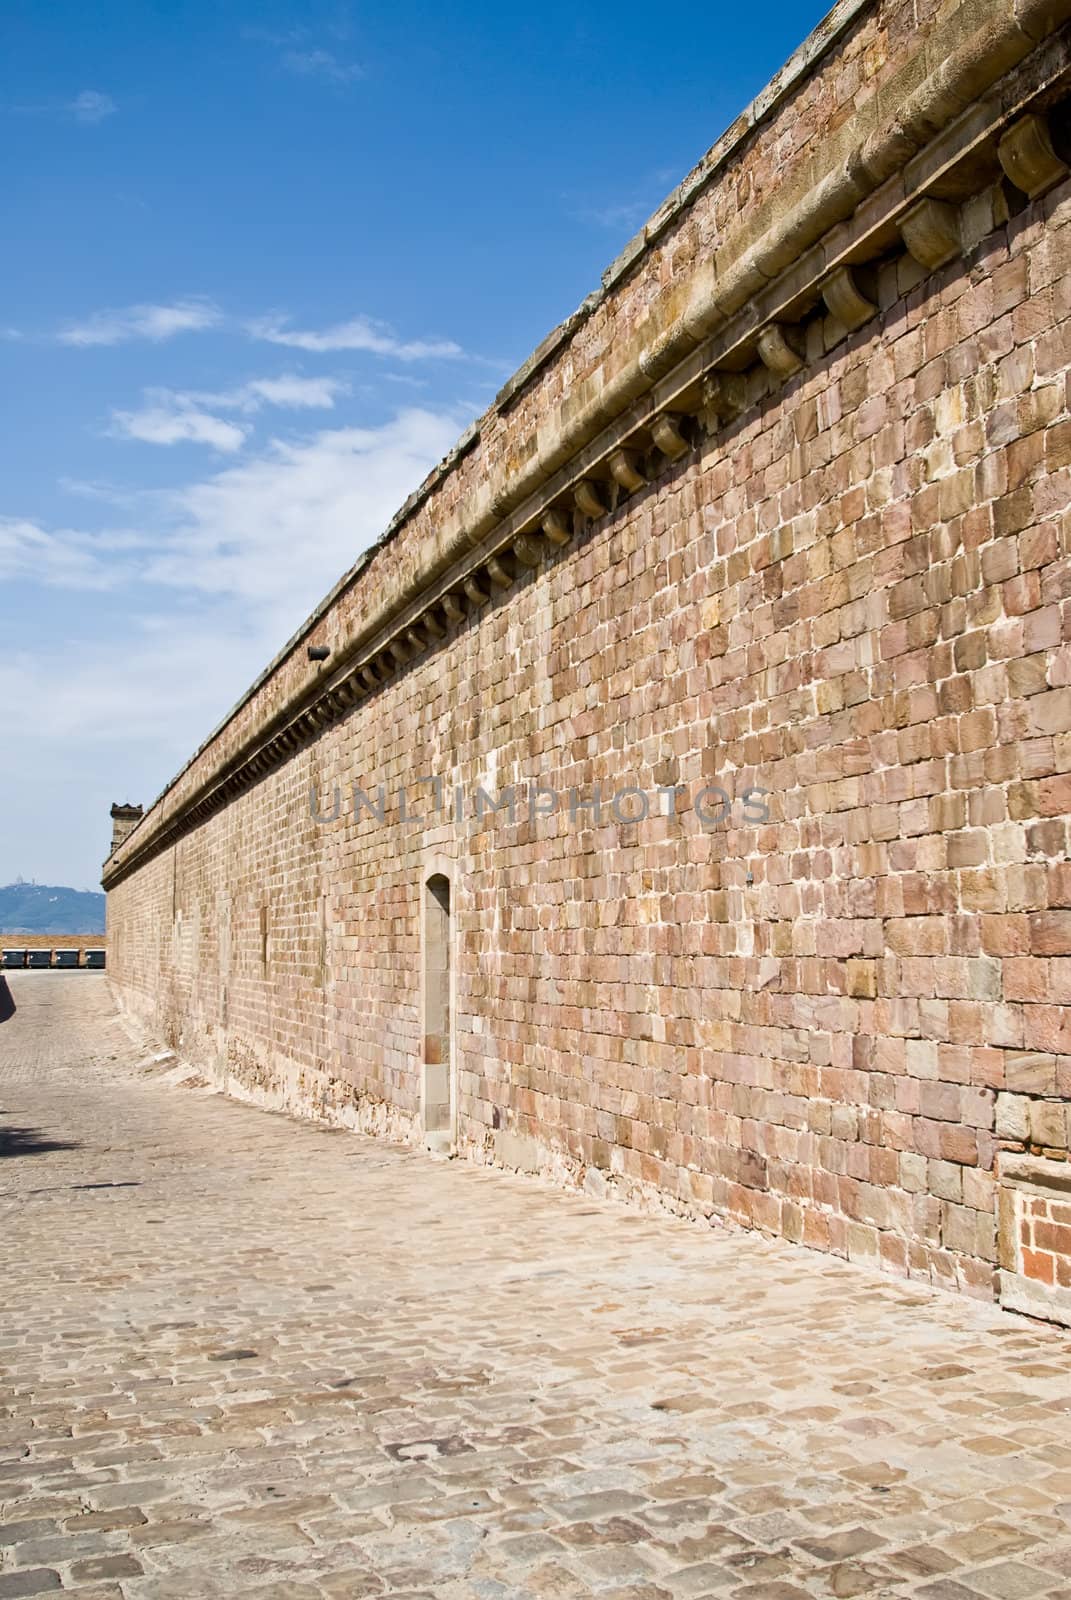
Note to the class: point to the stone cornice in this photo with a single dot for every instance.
(972, 94)
(803, 61)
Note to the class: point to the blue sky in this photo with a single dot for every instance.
(262, 264)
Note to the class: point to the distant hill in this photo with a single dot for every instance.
(43, 908)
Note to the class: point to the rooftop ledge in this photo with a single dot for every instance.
(969, 89)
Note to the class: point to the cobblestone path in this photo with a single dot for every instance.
(241, 1355)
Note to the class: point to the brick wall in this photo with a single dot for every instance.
(855, 597)
(1046, 1241)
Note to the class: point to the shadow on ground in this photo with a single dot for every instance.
(7, 1001)
(30, 1142)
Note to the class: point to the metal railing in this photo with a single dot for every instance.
(19, 958)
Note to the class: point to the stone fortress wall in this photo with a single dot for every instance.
(782, 513)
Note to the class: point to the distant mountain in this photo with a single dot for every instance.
(42, 908)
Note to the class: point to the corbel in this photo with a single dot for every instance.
(777, 354)
(667, 435)
(589, 500)
(1028, 158)
(930, 230)
(526, 549)
(478, 596)
(625, 470)
(498, 573)
(343, 695)
(557, 527)
(724, 395)
(846, 301)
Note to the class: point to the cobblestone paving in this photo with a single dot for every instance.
(241, 1355)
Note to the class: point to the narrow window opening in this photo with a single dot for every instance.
(438, 1111)
(265, 938)
(321, 958)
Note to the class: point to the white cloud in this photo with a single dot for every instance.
(178, 417)
(289, 391)
(159, 322)
(181, 425)
(153, 322)
(108, 720)
(63, 558)
(92, 106)
(291, 519)
(209, 582)
(300, 394)
(359, 333)
(275, 531)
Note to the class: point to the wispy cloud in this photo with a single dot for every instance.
(92, 106)
(623, 215)
(266, 537)
(157, 323)
(289, 390)
(322, 64)
(244, 530)
(152, 322)
(89, 106)
(207, 582)
(179, 425)
(189, 416)
(302, 52)
(277, 530)
(359, 333)
(61, 558)
(629, 214)
(101, 490)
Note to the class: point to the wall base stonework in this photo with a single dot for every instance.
(270, 1081)
(782, 516)
(1035, 1237)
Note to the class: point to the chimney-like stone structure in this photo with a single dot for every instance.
(125, 819)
